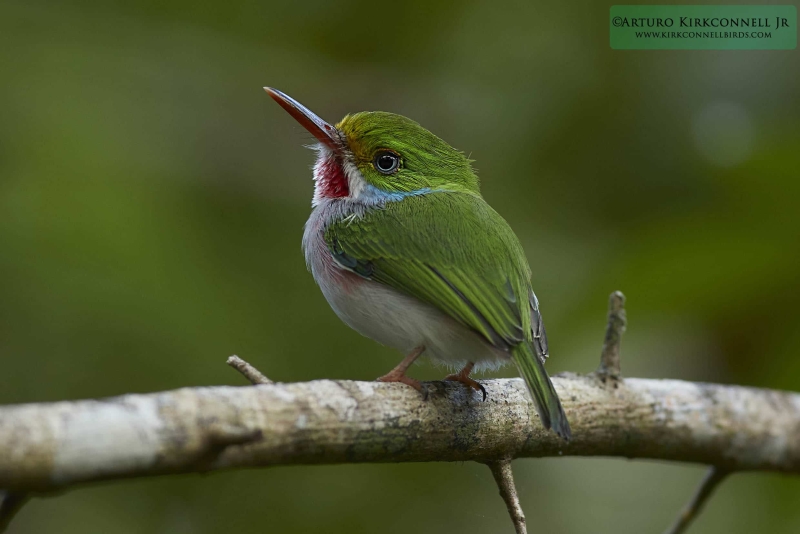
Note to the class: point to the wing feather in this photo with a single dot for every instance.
(451, 250)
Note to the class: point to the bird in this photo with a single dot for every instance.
(408, 253)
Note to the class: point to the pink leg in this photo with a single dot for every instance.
(398, 374)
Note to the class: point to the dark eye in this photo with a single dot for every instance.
(386, 162)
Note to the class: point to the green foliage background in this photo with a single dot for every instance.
(152, 199)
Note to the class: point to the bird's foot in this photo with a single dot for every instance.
(394, 376)
(463, 377)
(398, 374)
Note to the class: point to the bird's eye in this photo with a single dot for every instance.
(386, 162)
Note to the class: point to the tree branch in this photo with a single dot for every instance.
(55, 445)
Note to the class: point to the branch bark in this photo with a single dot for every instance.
(55, 445)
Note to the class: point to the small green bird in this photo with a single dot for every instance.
(408, 253)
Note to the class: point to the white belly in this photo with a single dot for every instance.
(390, 317)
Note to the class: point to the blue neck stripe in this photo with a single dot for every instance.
(374, 194)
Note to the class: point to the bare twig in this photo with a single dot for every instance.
(251, 373)
(609, 358)
(710, 482)
(10, 504)
(504, 477)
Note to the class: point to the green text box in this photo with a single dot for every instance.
(766, 27)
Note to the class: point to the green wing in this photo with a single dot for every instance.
(451, 250)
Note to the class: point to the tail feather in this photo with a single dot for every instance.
(541, 389)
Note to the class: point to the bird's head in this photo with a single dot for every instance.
(373, 157)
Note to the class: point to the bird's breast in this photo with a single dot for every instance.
(329, 275)
(384, 314)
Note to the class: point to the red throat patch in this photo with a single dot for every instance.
(331, 181)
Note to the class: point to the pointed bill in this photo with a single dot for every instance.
(324, 132)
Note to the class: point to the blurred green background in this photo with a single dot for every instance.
(152, 200)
